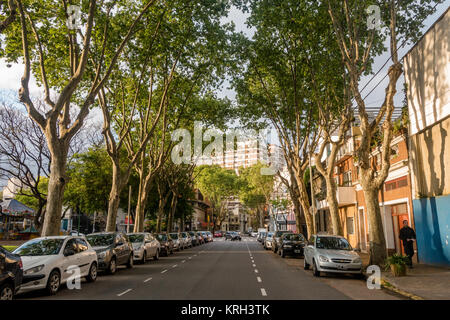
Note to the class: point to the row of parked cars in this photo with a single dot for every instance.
(323, 253)
(45, 263)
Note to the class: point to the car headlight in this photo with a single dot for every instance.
(102, 255)
(287, 246)
(34, 270)
(323, 259)
(357, 260)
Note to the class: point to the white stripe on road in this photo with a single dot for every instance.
(147, 280)
(174, 266)
(263, 292)
(258, 279)
(254, 265)
(190, 257)
(183, 261)
(126, 291)
(256, 270)
(164, 271)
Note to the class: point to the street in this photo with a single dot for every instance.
(219, 270)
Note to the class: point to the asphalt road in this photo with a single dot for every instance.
(218, 270)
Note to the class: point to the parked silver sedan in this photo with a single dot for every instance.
(330, 253)
(145, 246)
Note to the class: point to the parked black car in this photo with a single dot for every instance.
(166, 243)
(11, 274)
(232, 235)
(276, 239)
(113, 249)
(292, 244)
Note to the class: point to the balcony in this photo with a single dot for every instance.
(345, 196)
(346, 151)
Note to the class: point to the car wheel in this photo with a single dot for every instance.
(316, 272)
(144, 257)
(130, 262)
(112, 268)
(53, 282)
(92, 276)
(305, 264)
(6, 291)
(156, 257)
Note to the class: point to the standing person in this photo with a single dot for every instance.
(408, 236)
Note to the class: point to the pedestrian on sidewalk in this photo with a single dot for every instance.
(408, 236)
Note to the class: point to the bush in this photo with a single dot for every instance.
(396, 259)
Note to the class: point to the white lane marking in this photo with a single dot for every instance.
(195, 255)
(254, 265)
(256, 270)
(190, 257)
(258, 279)
(164, 271)
(147, 280)
(126, 291)
(183, 261)
(263, 292)
(174, 266)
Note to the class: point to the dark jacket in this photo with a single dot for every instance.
(406, 233)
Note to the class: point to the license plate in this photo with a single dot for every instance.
(297, 251)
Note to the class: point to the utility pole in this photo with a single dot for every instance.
(313, 204)
(129, 208)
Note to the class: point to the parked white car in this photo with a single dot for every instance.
(330, 253)
(145, 246)
(49, 261)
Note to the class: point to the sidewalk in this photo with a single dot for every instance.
(422, 282)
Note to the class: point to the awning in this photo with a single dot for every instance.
(12, 207)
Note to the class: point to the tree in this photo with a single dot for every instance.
(275, 87)
(218, 185)
(51, 52)
(359, 43)
(256, 189)
(8, 15)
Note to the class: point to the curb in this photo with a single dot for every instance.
(388, 286)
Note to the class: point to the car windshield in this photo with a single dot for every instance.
(280, 233)
(174, 235)
(294, 237)
(135, 238)
(161, 237)
(184, 235)
(42, 247)
(98, 240)
(333, 243)
(269, 235)
(192, 233)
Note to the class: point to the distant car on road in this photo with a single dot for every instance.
(292, 244)
(194, 237)
(113, 249)
(210, 236)
(47, 262)
(268, 241)
(177, 241)
(276, 239)
(232, 235)
(261, 236)
(187, 240)
(11, 273)
(166, 243)
(218, 234)
(145, 246)
(254, 234)
(330, 253)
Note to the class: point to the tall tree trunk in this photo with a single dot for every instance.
(114, 199)
(333, 206)
(56, 184)
(144, 190)
(173, 206)
(304, 202)
(378, 252)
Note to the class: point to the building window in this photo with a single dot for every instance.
(350, 229)
(347, 179)
(395, 184)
